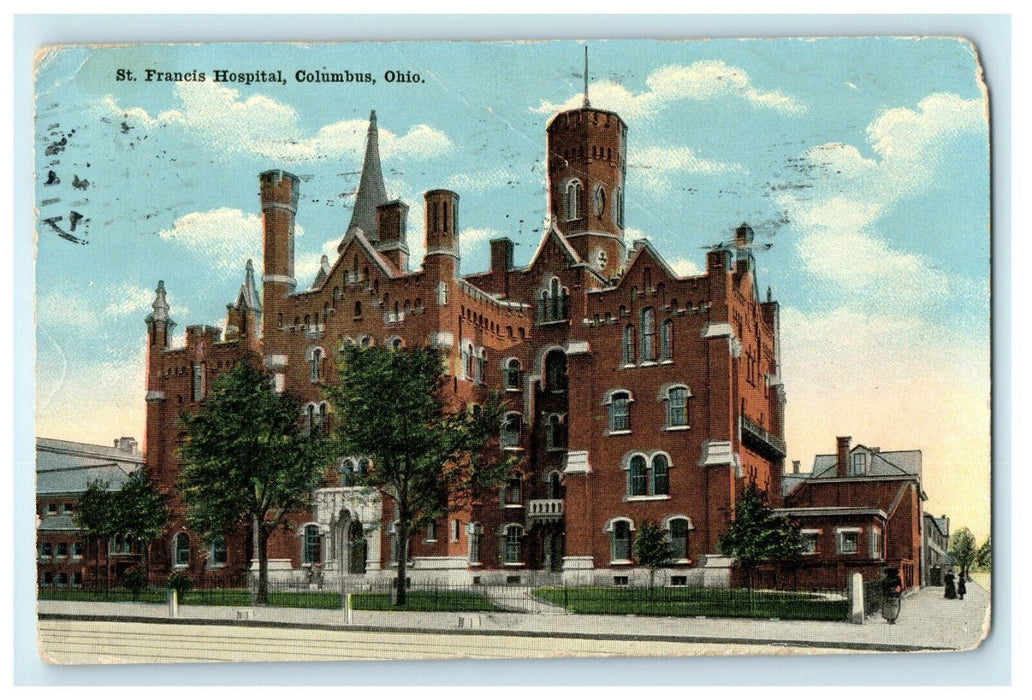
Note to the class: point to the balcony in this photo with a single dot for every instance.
(760, 441)
(545, 509)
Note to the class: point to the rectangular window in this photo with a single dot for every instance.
(621, 541)
(62, 549)
(198, 382)
(875, 540)
(512, 544)
(513, 492)
(454, 530)
(46, 550)
(858, 466)
(620, 413)
(431, 532)
(76, 550)
(474, 543)
(809, 538)
(677, 408)
(848, 541)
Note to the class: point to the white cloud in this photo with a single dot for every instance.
(60, 308)
(472, 238)
(685, 267)
(306, 266)
(702, 80)
(656, 166)
(268, 128)
(129, 298)
(839, 217)
(226, 237)
(478, 181)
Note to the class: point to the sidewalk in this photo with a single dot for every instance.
(927, 622)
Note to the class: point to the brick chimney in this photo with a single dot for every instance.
(843, 456)
(126, 444)
(501, 254)
(795, 466)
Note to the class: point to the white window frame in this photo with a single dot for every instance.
(813, 536)
(840, 540)
(177, 549)
(610, 529)
(874, 542)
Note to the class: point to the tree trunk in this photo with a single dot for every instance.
(263, 566)
(399, 582)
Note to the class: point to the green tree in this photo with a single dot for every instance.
(137, 511)
(651, 549)
(963, 550)
(428, 460)
(984, 556)
(247, 459)
(757, 535)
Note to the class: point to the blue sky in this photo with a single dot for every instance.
(862, 164)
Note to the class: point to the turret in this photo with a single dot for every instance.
(159, 325)
(391, 224)
(279, 193)
(442, 239)
(243, 316)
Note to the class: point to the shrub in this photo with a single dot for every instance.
(180, 582)
(134, 581)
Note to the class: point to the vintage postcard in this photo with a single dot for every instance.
(416, 350)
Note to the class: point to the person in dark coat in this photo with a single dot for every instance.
(961, 586)
(951, 587)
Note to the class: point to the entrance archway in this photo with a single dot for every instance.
(356, 548)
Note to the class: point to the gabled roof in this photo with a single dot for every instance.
(553, 234)
(900, 463)
(641, 247)
(371, 190)
(359, 239)
(323, 273)
(58, 523)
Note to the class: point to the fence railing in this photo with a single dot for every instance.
(872, 596)
(380, 594)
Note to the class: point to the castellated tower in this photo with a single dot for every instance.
(586, 151)
(442, 238)
(279, 193)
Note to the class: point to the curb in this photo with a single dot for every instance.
(609, 636)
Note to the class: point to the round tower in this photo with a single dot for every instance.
(279, 193)
(442, 238)
(587, 162)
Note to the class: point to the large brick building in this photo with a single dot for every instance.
(634, 394)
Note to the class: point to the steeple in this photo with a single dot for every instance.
(159, 325)
(586, 102)
(371, 190)
(248, 299)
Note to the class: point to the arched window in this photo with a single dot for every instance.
(365, 341)
(618, 207)
(358, 309)
(677, 406)
(480, 366)
(310, 419)
(511, 425)
(666, 340)
(628, 345)
(678, 528)
(648, 334)
(660, 475)
(620, 541)
(217, 551)
(512, 374)
(181, 550)
(619, 411)
(467, 361)
(310, 544)
(347, 472)
(600, 201)
(555, 371)
(637, 477)
(315, 359)
(573, 195)
(323, 425)
(512, 536)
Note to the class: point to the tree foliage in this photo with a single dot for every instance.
(247, 460)
(757, 535)
(428, 460)
(651, 548)
(984, 556)
(137, 511)
(962, 549)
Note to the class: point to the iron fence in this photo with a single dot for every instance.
(380, 594)
(872, 596)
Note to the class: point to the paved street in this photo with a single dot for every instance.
(135, 632)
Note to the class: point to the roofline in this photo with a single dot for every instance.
(814, 511)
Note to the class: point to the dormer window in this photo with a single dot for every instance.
(858, 464)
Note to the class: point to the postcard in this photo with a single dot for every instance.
(415, 350)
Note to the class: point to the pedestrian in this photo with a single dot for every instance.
(961, 586)
(892, 591)
(951, 588)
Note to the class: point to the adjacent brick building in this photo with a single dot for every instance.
(64, 469)
(635, 394)
(935, 555)
(859, 511)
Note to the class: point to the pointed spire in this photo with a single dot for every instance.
(323, 273)
(160, 305)
(586, 102)
(371, 190)
(248, 297)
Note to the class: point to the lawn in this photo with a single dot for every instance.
(425, 601)
(236, 597)
(687, 602)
